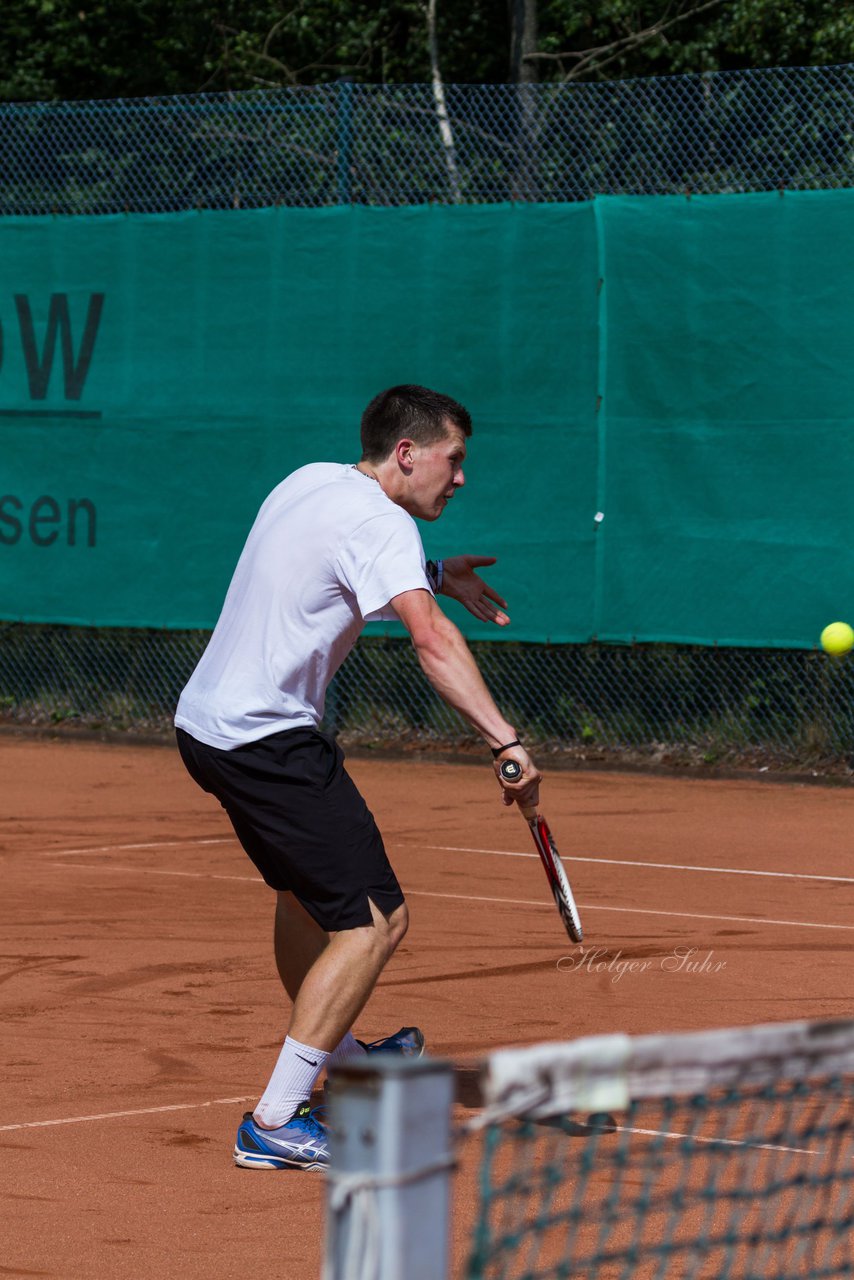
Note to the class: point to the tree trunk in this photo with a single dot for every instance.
(445, 130)
(523, 74)
(523, 40)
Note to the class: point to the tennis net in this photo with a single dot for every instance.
(717, 1155)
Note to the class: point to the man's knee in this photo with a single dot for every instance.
(387, 931)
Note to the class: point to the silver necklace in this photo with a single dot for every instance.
(354, 466)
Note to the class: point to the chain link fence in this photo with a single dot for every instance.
(783, 127)
(661, 704)
(786, 128)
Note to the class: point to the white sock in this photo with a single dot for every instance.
(348, 1048)
(291, 1083)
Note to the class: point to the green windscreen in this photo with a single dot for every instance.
(680, 366)
(727, 458)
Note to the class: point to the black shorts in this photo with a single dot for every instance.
(299, 816)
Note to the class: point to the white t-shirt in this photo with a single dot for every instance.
(326, 554)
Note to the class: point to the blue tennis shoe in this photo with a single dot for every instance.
(302, 1143)
(408, 1042)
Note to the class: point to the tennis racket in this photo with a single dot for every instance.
(544, 843)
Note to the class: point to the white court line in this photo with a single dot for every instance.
(116, 1115)
(632, 911)
(155, 871)
(471, 849)
(217, 1102)
(153, 844)
(468, 897)
(666, 866)
(726, 1142)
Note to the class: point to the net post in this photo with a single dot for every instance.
(389, 1183)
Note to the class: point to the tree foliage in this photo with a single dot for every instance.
(697, 36)
(52, 49)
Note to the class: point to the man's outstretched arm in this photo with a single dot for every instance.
(447, 662)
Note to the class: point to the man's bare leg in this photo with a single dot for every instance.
(329, 977)
(298, 940)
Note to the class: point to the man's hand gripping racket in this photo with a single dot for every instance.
(511, 771)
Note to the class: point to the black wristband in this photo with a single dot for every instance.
(496, 751)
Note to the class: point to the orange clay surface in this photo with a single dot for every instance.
(141, 1013)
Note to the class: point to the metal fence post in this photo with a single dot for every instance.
(388, 1198)
(345, 140)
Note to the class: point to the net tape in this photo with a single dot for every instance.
(608, 1072)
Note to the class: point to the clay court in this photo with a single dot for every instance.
(142, 1014)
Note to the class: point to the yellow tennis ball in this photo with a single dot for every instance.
(837, 638)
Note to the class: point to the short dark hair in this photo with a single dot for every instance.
(408, 412)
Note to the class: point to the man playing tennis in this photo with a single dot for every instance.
(333, 546)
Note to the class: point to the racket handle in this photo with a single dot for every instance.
(511, 771)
